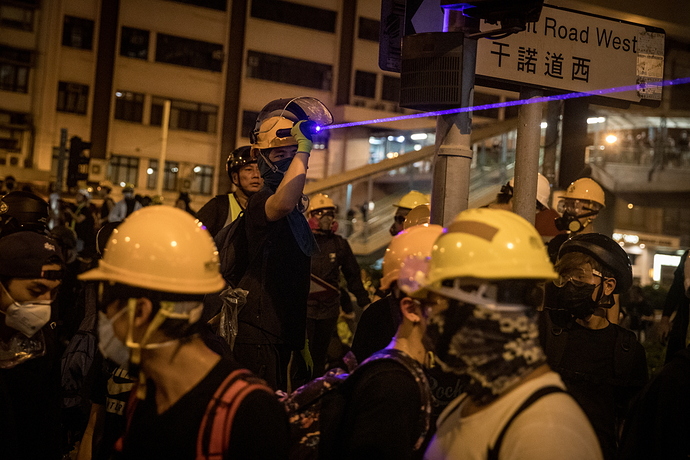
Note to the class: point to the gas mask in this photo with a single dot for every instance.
(572, 213)
(319, 221)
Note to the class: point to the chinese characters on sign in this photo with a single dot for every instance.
(527, 61)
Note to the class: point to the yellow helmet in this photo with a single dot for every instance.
(265, 137)
(420, 215)
(320, 201)
(161, 248)
(413, 199)
(414, 242)
(585, 189)
(489, 244)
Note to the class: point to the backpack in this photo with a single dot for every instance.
(213, 438)
(233, 250)
(306, 406)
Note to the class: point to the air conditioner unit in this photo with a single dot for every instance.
(15, 159)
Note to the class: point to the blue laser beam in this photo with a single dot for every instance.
(534, 100)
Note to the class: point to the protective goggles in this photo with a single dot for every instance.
(576, 278)
(323, 213)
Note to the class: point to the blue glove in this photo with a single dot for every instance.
(301, 131)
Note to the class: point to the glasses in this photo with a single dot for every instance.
(576, 279)
(575, 205)
(400, 219)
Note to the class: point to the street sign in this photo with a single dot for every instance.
(572, 51)
(405, 17)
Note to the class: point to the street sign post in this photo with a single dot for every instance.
(572, 51)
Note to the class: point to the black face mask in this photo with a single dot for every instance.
(575, 299)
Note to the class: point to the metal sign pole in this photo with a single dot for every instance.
(527, 156)
(453, 158)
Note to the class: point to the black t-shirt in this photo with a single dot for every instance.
(259, 428)
(588, 370)
(277, 280)
(381, 414)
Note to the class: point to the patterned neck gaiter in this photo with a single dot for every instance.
(495, 349)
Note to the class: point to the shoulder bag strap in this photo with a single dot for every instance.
(493, 452)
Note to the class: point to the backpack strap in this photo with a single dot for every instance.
(129, 415)
(216, 426)
(492, 453)
(556, 338)
(624, 357)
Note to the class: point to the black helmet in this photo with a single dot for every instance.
(607, 252)
(23, 211)
(238, 158)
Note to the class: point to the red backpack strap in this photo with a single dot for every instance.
(214, 432)
(129, 415)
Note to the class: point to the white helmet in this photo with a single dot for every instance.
(161, 248)
(543, 189)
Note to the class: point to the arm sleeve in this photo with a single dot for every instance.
(350, 269)
(259, 430)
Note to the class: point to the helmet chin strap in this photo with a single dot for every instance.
(270, 164)
(167, 310)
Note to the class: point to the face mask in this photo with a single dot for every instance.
(577, 300)
(273, 175)
(110, 346)
(28, 317)
(494, 349)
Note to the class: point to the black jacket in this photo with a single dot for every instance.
(335, 256)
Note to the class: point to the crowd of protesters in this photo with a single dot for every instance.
(140, 330)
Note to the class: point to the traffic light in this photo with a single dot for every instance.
(78, 168)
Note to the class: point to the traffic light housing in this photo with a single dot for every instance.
(78, 168)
